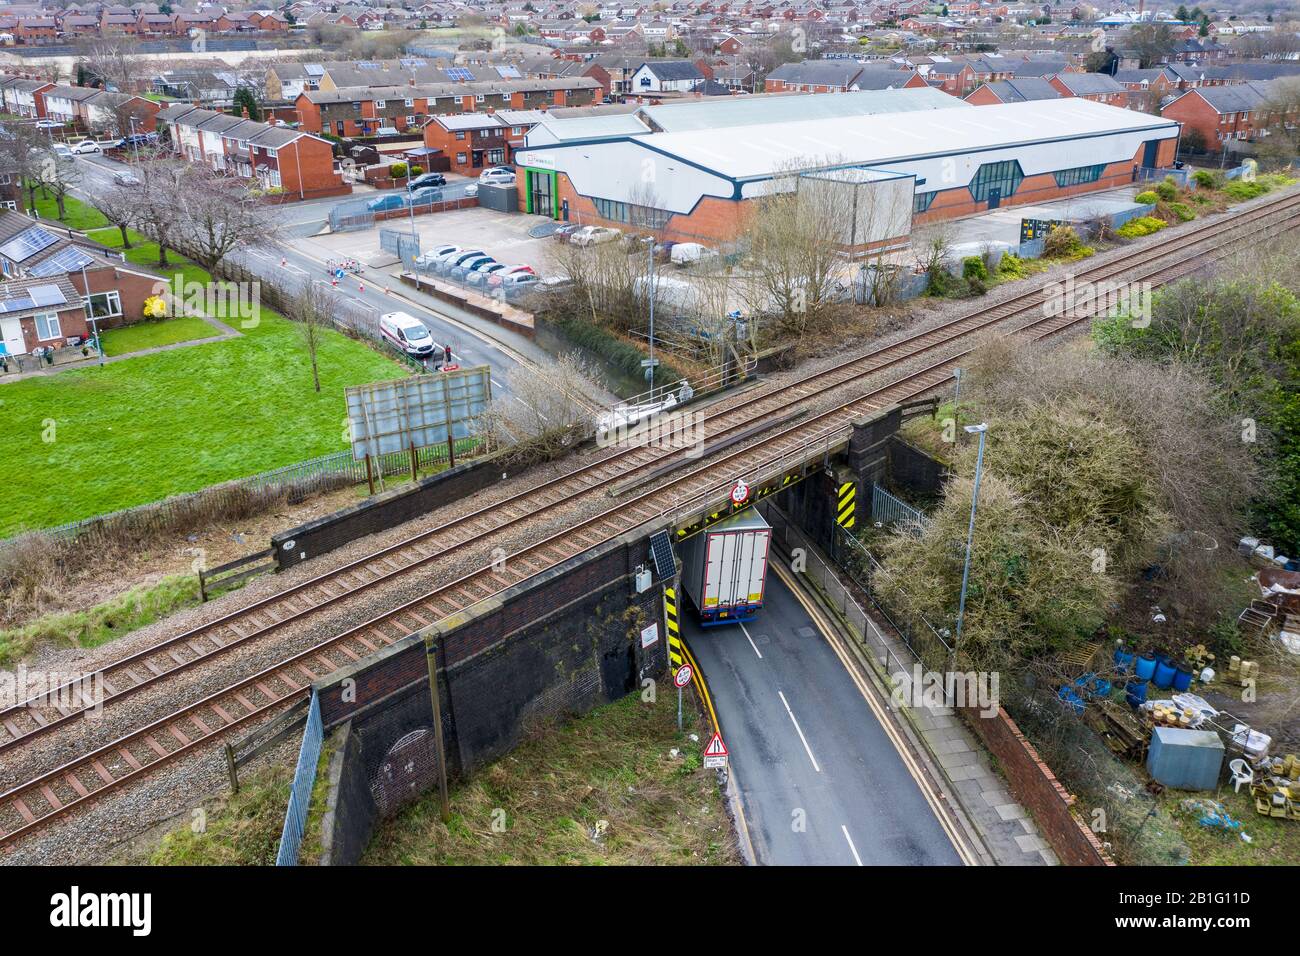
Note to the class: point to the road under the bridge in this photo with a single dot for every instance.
(820, 780)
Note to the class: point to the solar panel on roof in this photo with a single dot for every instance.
(47, 295)
(509, 72)
(27, 243)
(17, 303)
(65, 260)
(367, 65)
(315, 69)
(459, 73)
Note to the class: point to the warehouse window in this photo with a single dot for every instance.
(1079, 175)
(921, 201)
(1005, 177)
(611, 210)
(643, 217)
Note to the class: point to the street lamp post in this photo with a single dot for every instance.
(980, 430)
(135, 143)
(651, 244)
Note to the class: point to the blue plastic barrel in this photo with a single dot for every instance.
(1182, 678)
(1123, 660)
(1164, 676)
(1135, 692)
(1145, 667)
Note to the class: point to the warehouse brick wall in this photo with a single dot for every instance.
(1034, 785)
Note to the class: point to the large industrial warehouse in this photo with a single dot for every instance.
(693, 179)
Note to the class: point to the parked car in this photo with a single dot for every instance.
(48, 124)
(480, 276)
(140, 139)
(565, 232)
(406, 333)
(518, 283)
(61, 149)
(510, 271)
(446, 265)
(387, 203)
(428, 179)
(426, 196)
(126, 179)
(497, 176)
(593, 235)
(87, 146)
(462, 270)
(426, 260)
(684, 253)
(471, 190)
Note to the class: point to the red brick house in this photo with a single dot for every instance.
(1222, 113)
(474, 141)
(1097, 87)
(41, 313)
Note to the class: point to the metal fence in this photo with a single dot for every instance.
(404, 245)
(302, 478)
(304, 781)
(887, 510)
(1147, 174)
(359, 214)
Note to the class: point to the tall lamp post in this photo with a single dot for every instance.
(650, 285)
(980, 430)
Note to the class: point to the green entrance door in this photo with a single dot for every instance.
(542, 193)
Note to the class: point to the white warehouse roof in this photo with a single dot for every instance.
(750, 152)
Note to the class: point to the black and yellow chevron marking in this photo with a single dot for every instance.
(755, 495)
(846, 513)
(675, 656)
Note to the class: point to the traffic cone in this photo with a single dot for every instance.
(283, 262)
(334, 281)
(361, 287)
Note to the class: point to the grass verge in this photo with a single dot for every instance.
(123, 614)
(172, 422)
(602, 789)
(149, 335)
(239, 829)
(1273, 842)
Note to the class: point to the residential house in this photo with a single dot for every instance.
(665, 76)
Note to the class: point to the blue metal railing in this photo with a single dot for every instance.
(304, 780)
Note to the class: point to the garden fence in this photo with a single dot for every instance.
(304, 781)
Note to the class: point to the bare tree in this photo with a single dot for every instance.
(547, 412)
(58, 176)
(24, 152)
(160, 213)
(121, 206)
(311, 310)
(113, 62)
(219, 216)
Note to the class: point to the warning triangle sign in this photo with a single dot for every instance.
(716, 747)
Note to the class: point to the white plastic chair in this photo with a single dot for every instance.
(1241, 773)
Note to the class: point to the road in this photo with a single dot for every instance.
(820, 780)
(301, 259)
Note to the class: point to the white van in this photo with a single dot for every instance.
(406, 333)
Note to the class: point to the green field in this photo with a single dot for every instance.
(148, 335)
(96, 439)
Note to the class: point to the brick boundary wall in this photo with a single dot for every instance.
(385, 510)
(554, 646)
(524, 324)
(1034, 785)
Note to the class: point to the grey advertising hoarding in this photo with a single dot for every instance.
(405, 413)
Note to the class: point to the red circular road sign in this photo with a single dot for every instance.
(683, 675)
(739, 492)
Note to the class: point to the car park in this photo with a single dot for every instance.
(594, 235)
(126, 179)
(406, 333)
(428, 179)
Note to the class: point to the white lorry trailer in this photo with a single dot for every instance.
(724, 568)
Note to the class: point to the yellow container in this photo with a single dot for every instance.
(1234, 663)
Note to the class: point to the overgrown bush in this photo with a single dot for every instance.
(973, 267)
(1064, 243)
(1182, 211)
(1204, 179)
(1146, 198)
(1012, 266)
(1167, 190)
(397, 170)
(1139, 227)
(1241, 191)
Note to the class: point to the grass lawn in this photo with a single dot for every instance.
(148, 335)
(79, 216)
(93, 440)
(1273, 841)
(602, 790)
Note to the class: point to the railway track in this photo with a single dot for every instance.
(57, 792)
